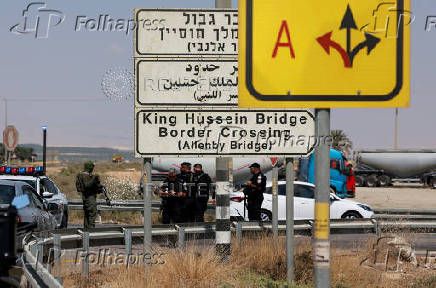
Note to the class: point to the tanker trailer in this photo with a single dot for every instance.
(383, 167)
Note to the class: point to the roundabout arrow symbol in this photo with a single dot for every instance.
(369, 43)
(326, 42)
(348, 23)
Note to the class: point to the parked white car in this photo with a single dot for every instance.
(304, 204)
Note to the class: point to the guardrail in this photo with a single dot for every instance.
(138, 205)
(38, 273)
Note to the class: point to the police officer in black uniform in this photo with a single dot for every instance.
(168, 193)
(202, 188)
(187, 192)
(254, 192)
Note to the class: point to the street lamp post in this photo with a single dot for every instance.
(44, 148)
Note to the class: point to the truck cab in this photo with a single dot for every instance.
(341, 173)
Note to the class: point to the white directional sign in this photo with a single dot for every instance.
(218, 133)
(189, 32)
(186, 82)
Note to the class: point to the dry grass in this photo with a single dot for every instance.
(189, 268)
(116, 217)
(254, 263)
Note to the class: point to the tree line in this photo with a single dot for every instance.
(21, 153)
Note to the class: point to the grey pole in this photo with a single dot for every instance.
(146, 188)
(6, 125)
(223, 3)
(57, 250)
(275, 202)
(223, 233)
(321, 241)
(290, 219)
(85, 245)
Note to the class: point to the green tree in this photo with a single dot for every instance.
(23, 153)
(341, 142)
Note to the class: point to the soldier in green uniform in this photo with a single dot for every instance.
(88, 184)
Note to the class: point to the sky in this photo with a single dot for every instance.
(56, 81)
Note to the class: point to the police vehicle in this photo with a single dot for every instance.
(45, 187)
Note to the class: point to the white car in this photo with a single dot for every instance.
(304, 204)
(46, 189)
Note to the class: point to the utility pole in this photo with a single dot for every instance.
(321, 240)
(223, 233)
(6, 125)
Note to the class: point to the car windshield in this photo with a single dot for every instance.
(30, 182)
(7, 194)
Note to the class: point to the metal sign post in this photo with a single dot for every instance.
(275, 203)
(146, 188)
(321, 242)
(290, 219)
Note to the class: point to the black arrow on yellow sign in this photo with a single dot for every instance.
(348, 23)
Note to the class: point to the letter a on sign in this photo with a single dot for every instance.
(285, 28)
(324, 54)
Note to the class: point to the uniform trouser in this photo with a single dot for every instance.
(202, 201)
(178, 211)
(193, 210)
(254, 208)
(167, 210)
(90, 211)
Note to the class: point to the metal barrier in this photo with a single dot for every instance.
(38, 273)
(138, 205)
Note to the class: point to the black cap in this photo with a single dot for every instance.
(255, 165)
(198, 165)
(186, 164)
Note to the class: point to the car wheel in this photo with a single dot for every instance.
(351, 215)
(372, 181)
(265, 215)
(384, 180)
(433, 183)
(64, 222)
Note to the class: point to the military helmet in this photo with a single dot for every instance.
(89, 166)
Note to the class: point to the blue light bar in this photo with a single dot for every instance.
(39, 169)
(22, 170)
(8, 170)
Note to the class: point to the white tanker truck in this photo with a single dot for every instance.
(383, 167)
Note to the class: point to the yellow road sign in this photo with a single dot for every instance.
(324, 54)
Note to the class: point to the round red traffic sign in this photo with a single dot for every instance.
(10, 138)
